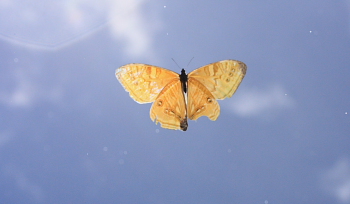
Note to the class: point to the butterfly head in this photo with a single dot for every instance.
(183, 74)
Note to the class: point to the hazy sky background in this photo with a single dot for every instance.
(69, 133)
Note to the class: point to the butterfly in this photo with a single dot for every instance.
(177, 97)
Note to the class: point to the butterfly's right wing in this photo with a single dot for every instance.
(214, 81)
(169, 109)
(221, 78)
(144, 82)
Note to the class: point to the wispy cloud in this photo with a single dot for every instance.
(24, 183)
(5, 137)
(37, 24)
(130, 25)
(254, 102)
(27, 89)
(336, 180)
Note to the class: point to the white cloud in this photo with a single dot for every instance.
(6, 3)
(5, 137)
(336, 180)
(23, 183)
(129, 25)
(28, 89)
(21, 95)
(38, 24)
(255, 102)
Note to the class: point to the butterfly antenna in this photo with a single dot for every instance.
(176, 63)
(189, 62)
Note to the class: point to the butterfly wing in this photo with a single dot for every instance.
(200, 101)
(144, 82)
(221, 78)
(169, 109)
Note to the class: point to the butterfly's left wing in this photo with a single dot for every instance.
(144, 82)
(169, 109)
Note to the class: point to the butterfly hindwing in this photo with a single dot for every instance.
(200, 102)
(221, 78)
(144, 82)
(169, 108)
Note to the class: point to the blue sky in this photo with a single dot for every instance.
(69, 133)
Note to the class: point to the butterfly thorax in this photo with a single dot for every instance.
(183, 79)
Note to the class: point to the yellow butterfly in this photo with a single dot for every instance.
(167, 89)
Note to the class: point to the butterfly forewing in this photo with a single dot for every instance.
(221, 78)
(144, 82)
(200, 102)
(169, 109)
